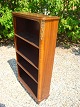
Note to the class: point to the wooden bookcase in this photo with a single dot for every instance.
(35, 41)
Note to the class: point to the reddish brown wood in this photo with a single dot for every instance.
(34, 16)
(44, 28)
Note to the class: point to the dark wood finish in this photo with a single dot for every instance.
(29, 51)
(27, 41)
(32, 84)
(28, 68)
(35, 41)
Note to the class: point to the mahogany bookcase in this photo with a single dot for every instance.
(35, 41)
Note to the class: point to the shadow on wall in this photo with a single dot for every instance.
(2, 105)
(13, 65)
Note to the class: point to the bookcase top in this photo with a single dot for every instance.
(35, 16)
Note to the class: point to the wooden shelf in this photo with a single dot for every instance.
(35, 41)
(26, 59)
(29, 51)
(32, 76)
(31, 39)
(28, 68)
(29, 81)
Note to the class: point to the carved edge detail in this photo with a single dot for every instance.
(42, 29)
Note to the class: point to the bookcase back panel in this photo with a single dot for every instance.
(31, 84)
(26, 25)
(28, 67)
(28, 29)
(28, 51)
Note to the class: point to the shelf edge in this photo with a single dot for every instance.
(27, 72)
(26, 59)
(31, 43)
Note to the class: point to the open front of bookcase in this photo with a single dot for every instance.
(27, 52)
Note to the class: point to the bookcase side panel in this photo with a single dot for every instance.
(49, 51)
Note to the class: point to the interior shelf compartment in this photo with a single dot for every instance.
(28, 29)
(29, 69)
(27, 41)
(30, 83)
(28, 51)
